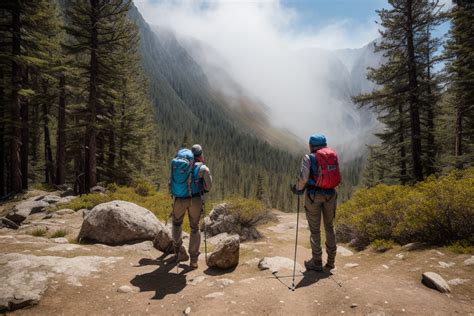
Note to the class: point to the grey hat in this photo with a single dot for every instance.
(197, 150)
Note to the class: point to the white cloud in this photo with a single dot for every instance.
(272, 60)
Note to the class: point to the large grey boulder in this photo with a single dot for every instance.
(226, 255)
(435, 281)
(119, 222)
(22, 210)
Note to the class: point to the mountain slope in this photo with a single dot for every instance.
(189, 111)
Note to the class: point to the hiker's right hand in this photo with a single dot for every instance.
(296, 191)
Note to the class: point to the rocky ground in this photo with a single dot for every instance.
(60, 276)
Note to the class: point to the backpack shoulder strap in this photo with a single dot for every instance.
(314, 164)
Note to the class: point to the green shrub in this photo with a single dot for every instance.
(249, 212)
(87, 201)
(144, 188)
(382, 245)
(461, 246)
(39, 232)
(59, 233)
(43, 187)
(112, 187)
(437, 211)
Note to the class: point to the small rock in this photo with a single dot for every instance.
(400, 256)
(351, 265)
(385, 266)
(196, 280)
(226, 255)
(445, 264)
(225, 282)
(61, 240)
(414, 246)
(469, 262)
(51, 199)
(435, 281)
(354, 305)
(5, 222)
(187, 311)
(215, 295)
(277, 263)
(65, 212)
(98, 189)
(344, 251)
(67, 199)
(127, 289)
(457, 281)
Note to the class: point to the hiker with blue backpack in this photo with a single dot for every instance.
(190, 180)
(318, 177)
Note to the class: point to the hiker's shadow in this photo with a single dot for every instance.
(312, 277)
(164, 280)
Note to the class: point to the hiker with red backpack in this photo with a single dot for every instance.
(190, 180)
(319, 176)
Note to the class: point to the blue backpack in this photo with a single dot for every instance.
(184, 180)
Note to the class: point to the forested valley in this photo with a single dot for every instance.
(91, 94)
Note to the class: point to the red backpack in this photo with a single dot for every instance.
(325, 168)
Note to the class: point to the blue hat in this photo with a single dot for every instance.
(317, 140)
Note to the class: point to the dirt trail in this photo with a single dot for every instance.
(381, 284)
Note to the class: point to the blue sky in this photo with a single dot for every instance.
(317, 13)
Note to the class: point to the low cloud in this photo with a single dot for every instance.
(290, 71)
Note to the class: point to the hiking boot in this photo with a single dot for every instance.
(194, 263)
(181, 255)
(329, 266)
(314, 265)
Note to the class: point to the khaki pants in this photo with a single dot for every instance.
(315, 205)
(194, 207)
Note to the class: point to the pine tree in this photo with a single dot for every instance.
(460, 70)
(405, 99)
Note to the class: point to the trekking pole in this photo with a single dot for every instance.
(205, 228)
(296, 243)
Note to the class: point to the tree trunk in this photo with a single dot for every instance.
(61, 134)
(2, 138)
(91, 145)
(48, 155)
(15, 113)
(458, 149)
(413, 98)
(24, 150)
(430, 141)
(403, 161)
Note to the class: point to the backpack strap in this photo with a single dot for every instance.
(313, 170)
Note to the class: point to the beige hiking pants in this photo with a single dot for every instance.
(194, 207)
(315, 206)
